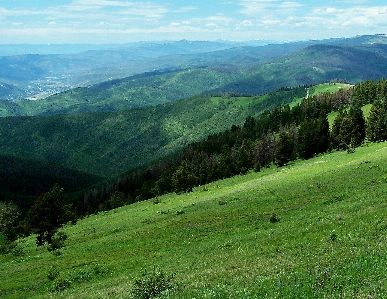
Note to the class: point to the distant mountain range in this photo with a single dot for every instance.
(30, 71)
(241, 70)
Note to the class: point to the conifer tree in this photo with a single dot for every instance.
(377, 121)
(336, 132)
(284, 148)
(357, 126)
(48, 214)
(314, 137)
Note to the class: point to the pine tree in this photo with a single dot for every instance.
(284, 148)
(348, 129)
(336, 133)
(357, 125)
(48, 214)
(314, 137)
(377, 121)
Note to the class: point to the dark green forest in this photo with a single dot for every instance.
(109, 144)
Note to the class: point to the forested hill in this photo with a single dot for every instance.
(315, 64)
(109, 144)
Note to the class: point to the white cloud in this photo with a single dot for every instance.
(246, 23)
(290, 5)
(186, 9)
(254, 7)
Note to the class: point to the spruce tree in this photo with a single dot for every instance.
(377, 121)
(284, 148)
(314, 137)
(357, 126)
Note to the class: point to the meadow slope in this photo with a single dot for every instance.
(329, 242)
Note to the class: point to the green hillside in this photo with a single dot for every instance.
(144, 90)
(108, 144)
(314, 229)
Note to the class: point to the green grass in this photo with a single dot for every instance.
(366, 111)
(328, 87)
(219, 240)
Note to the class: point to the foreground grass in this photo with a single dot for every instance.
(329, 242)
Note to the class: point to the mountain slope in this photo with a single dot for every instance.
(166, 78)
(238, 71)
(327, 238)
(47, 74)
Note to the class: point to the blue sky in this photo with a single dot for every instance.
(121, 21)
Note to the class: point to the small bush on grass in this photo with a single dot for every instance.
(57, 242)
(152, 285)
(11, 247)
(59, 284)
(53, 273)
(274, 218)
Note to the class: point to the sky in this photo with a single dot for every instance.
(123, 21)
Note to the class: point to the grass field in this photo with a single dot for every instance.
(220, 242)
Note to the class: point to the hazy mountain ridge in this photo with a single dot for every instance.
(244, 70)
(41, 75)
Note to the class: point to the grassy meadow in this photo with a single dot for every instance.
(313, 229)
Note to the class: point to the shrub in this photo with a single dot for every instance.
(13, 248)
(17, 250)
(53, 273)
(57, 241)
(152, 285)
(222, 202)
(274, 218)
(333, 236)
(60, 285)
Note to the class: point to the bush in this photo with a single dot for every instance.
(152, 285)
(274, 218)
(13, 248)
(53, 273)
(57, 241)
(60, 285)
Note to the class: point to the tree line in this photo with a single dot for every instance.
(277, 136)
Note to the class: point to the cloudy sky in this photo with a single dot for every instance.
(122, 21)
